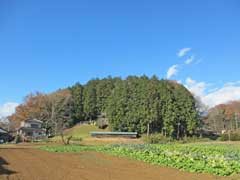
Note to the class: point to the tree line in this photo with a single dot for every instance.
(223, 117)
(138, 104)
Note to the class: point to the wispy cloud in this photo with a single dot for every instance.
(7, 109)
(189, 60)
(173, 70)
(183, 52)
(228, 92)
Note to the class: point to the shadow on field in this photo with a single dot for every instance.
(4, 171)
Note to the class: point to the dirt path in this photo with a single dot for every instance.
(23, 163)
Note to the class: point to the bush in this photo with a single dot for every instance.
(161, 139)
(17, 139)
(194, 139)
(233, 135)
(156, 139)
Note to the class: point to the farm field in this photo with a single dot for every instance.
(29, 163)
(219, 160)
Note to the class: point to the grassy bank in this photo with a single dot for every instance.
(81, 135)
(78, 132)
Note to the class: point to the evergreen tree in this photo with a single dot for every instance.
(90, 100)
(77, 100)
(104, 90)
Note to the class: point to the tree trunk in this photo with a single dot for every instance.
(178, 131)
(236, 121)
(148, 129)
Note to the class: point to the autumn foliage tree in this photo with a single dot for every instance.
(224, 117)
(30, 108)
(53, 109)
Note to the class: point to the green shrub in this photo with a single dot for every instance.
(224, 137)
(232, 136)
(156, 139)
(194, 139)
(17, 139)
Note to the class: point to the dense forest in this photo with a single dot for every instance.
(138, 104)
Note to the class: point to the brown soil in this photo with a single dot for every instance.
(26, 163)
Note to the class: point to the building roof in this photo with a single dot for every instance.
(114, 133)
(33, 120)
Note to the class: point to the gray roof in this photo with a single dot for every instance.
(3, 131)
(33, 120)
(114, 133)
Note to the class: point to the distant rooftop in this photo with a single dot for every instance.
(3, 131)
(33, 120)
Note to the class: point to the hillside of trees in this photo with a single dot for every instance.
(224, 117)
(138, 104)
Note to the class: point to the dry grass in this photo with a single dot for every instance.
(103, 141)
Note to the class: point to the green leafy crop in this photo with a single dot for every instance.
(214, 159)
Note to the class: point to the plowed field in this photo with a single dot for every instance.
(28, 163)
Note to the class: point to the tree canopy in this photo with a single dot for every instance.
(138, 104)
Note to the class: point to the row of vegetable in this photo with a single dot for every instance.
(222, 160)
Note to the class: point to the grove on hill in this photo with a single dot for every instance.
(138, 104)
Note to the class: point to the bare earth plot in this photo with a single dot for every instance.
(26, 163)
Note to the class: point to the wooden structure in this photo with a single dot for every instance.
(114, 134)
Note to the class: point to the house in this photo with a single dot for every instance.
(31, 129)
(4, 136)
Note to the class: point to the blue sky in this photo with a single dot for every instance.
(46, 45)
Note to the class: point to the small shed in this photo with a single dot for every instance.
(114, 134)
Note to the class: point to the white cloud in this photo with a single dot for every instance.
(7, 109)
(229, 92)
(173, 70)
(222, 95)
(189, 60)
(183, 52)
(197, 88)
